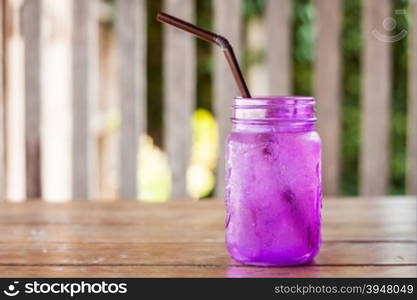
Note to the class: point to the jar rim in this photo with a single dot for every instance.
(277, 111)
(275, 100)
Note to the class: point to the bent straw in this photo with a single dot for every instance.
(212, 38)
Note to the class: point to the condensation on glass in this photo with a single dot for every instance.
(273, 181)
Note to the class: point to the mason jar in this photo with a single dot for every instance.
(273, 181)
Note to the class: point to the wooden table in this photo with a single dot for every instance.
(362, 238)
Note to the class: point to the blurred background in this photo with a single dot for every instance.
(101, 101)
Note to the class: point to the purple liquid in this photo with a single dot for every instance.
(273, 193)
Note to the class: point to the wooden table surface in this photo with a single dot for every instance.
(361, 238)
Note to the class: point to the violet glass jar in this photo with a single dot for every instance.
(273, 184)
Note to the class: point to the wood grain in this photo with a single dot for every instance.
(206, 271)
(14, 102)
(377, 210)
(327, 68)
(188, 253)
(169, 232)
(84, 88)
(375, 106)
(107, 144)
(278, 51)
(361, 237)
(227, 21)
(2, 104)
(179, 93)
(411, 176)
(31, 20)
(131, 33)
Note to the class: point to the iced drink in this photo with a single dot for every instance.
(273, 184)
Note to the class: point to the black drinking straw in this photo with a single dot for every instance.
(212, 38)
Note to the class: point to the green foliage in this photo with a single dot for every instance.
(303, 41)
(204, 56)
(303, 44)
(351, 89)
(154, 174)
(204, 154)
(253, 8)
(154, 72)
(399, 101)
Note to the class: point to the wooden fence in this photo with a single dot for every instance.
(54, 44)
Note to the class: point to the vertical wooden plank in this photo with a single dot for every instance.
(257, 74)
(56, 115)
(131, 32)
(84, 55)
(411, 176)
(15, 106)
(278, 51)
(227, 22)
(179, 94)
(2, 104)
(108, 141)
(32, 37)
(376, 74)
(327, 69)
